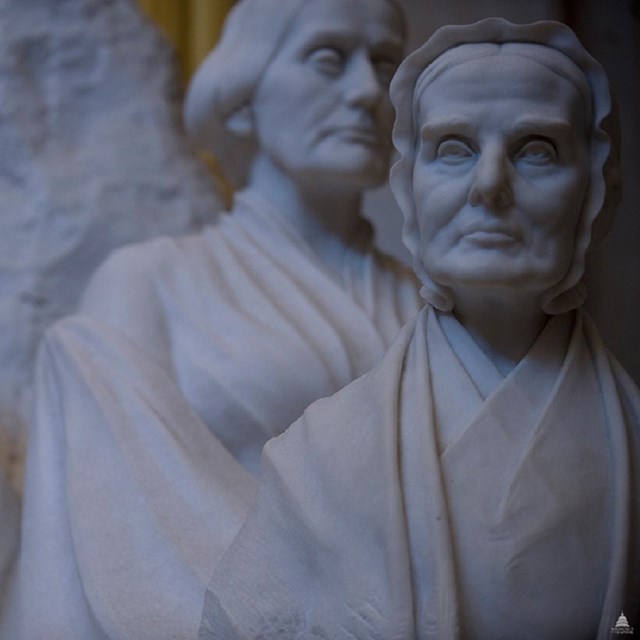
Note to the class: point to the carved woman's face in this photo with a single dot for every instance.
(322, 111)
(500, 175)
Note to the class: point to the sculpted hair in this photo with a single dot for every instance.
(556, 47)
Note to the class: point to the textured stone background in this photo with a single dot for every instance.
(92, 156)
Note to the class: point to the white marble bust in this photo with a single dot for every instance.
(482, 481)
(188, 354)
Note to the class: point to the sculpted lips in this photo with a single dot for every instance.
(360, 133)
(490, 235)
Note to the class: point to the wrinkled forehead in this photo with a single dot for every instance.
(510, 58)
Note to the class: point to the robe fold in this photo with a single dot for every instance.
(154, 403)
(246, 309)
(434, 498)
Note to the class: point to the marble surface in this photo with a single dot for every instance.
(481, 480)
(186, 355)
(78, 81)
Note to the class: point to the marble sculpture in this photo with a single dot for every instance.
(483, 480)
(188, 354)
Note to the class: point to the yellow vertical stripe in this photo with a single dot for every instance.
(205, 21)
(192, 26)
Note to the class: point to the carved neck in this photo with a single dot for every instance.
(504, 324)
(325, 217)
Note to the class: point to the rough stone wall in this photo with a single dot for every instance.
(92, 156)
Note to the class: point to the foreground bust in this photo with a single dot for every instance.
(482, 481)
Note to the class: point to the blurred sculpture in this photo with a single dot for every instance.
(92, 156)
(482, 480)
(189, 354)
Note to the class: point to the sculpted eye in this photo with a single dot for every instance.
(385, 69)
(454, 151)
(537, 151)
(328, 60)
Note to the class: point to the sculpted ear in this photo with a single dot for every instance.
(240, 122)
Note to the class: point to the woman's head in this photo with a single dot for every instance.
(506, 162)
(272, 83)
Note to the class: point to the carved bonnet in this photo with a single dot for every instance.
(604, 182)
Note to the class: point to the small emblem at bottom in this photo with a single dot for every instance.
(622, 626)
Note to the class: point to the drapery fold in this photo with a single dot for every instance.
(250, 322)
(155, 401)
(526, 525)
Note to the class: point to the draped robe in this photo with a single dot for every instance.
(435, 499)
(246, 309)
(154, 404)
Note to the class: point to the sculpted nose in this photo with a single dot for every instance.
(363, 88)
(491, 181)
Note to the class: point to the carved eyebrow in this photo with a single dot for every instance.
(346, 39)
(547, 126)
(437, 128)
(331, 37)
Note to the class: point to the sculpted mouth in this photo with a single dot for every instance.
(359, 134)
(491, 236)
